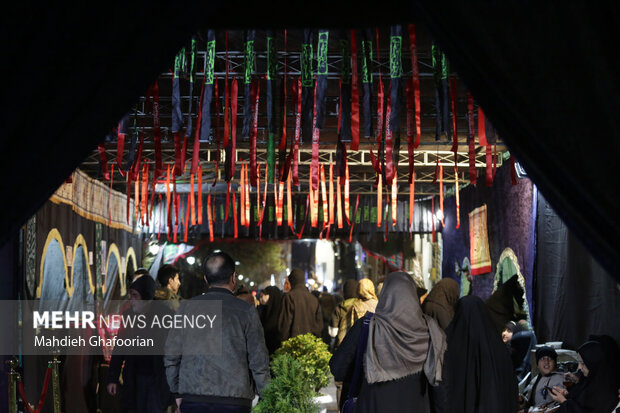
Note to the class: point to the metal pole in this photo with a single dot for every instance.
(56, 383)
(12, 385)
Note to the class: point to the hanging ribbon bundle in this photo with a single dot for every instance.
(321, 79)
(263, 203)
(234, 205)
(324, 198)
(307, 83)
(186, 220)
(344, 108)
(247, 81)
(295, 150)
(415, 78)
(255, 94)
(207, 95)
(411, 202)
(231, 148)
(271, 127)
(192, 59)
(226, 97)
(355, 109)
(314, 167)
(441, 192)
(145, 195)
(289, 203)
(339, 202)
(210, 217)
(153, 92)
(248, 203)
(396, 72)
(282, 158)
(394, 199)
(168, 202)
(440, 75)
(367, 80)
(177, 115)
(379, 201)
(380, 162)
(192, 207)
(242, 195)
(331, 194)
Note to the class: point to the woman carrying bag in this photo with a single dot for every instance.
(403, 352)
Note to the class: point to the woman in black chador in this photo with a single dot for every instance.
(479, 375)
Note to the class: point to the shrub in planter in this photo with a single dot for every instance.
(288, 391)
(313, 355)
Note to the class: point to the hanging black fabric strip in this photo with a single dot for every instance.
(367, 81)
(247, 82)
(307, 84)
(345, 89)
(321, 76)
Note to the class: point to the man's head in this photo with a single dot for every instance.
(140, 272)
(219, 271)
(546, 359)
(141, 291)
(296, 277)
(168, 276)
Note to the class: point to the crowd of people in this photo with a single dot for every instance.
(396, 351)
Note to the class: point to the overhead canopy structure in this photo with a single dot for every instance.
(546, 77)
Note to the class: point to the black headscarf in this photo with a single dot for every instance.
(145, 285)
(349, 290)
(479, 371)
(269, 317)
(501, 304)
(597, 391)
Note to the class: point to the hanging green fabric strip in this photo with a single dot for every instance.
(271, 128)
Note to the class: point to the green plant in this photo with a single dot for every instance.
(313, 355)
(288, 391)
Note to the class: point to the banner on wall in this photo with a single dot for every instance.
(479, 241)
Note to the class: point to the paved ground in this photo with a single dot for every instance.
(328, 401)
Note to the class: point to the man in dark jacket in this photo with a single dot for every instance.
(225, 380)
(301, 312)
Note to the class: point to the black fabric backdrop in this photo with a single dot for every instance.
(510, 223)
(546, 76)
(575, 296)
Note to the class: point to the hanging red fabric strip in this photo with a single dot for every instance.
(177, 211)
(455, 139)
(258, 209)
(394, 199)
(135, 167)
(489, 161)
(199, 194)
(314, 168)
(196, 149)
(175, 230)
(162, 217)
(411, 203)
(136, 201)
(186, 222)
(314, 204)
(482, 133)
(144, 199)
(168, 214)
(379, 201)
(347, 213)
(254, 95)
(153, 184)
(282, 145)
(357, 204)
(433, 217)
(339, 202)
(410, 127)
(436, 169)
(227, 200)
(218, 134)
(297, 135)
(178, 165)
(289, 203)
(355, 99)
(389, 146)
(234, 204)
(380, 95)
(303, 226)
(192, 207)
(473, 175)
(248, 202)
(233, 131)
(456, 191)
(331, 194)
(324, 196)
(210, 217)
(242, 195)
(279, 203)
(513, 170)
(226, 104)
(128, 199)
(264, 201)
(415, 79)
(103, 159)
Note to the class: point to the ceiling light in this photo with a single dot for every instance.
(154, 249)
(252, 284)
(190, 260)
(240, 277)
(237, 263)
